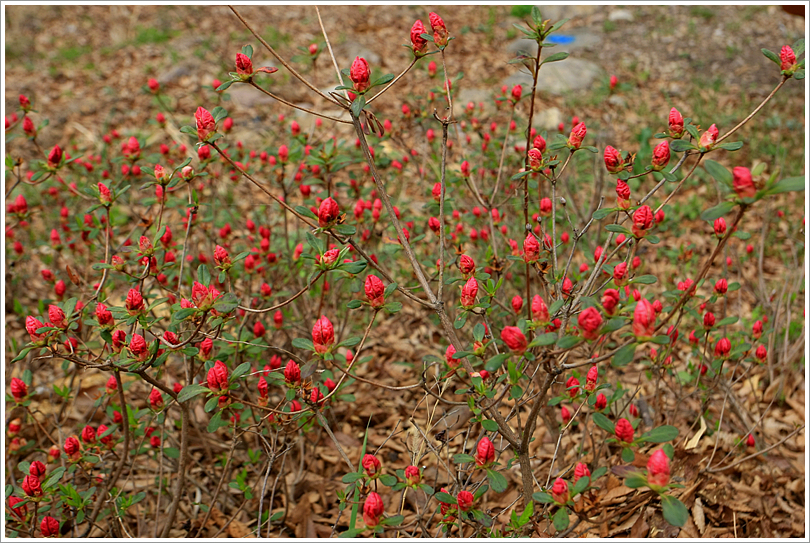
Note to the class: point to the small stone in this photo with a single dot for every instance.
(547, 118)
(620, 15)
(617, 101)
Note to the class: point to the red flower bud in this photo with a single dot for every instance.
(328, 212)
(469, 292)
(721, 286)
(371, 464)
(708, 138)
(375, 291)
(485, 452)
(675, 123)
(206, 125)
(610, 299)
(440, 34)
(642, 221)
(719, 227)
(761, 353)
(535, 159)
(418, 43)
(644, 319)
(323, 335)
(465, 500)
(539, 310)
(517, 92)
(517, 304)
(20, 510)
(571, 385)
(19, 390)
(743, 183)
(660, 156)
(658, 469)
(624, 430)
(244, 66)
(514, 339)
(591, 378)
(613, 160)
(559, 491)
(787, 57)
(31, 486)
(292, 373)
(49, 527)
(55, 157)
(359, 74)
(577, 135)
(156, 399)
(88, 435)
(217, 377)
(448, 356)
(601, 402)
(590, 320)
(531, 248)
(581, 470)
(722, 348)
(466, 265)
(413, 475)
(373, 509)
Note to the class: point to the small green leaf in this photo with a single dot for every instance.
(495, 362)
(618, 229)
(719, 172)
(680, 146)
(730, 146)
(661, 434)
(727, 321)
(560, 519)
(674, 510)
(203, 275)
(497, 481)
(717, 211)
(354, 304)
(628, 455)
(351, 477)
(240, 370)
(635, 479)
(303, 343)
(171, 452)
(489, 425)
(224, 86)
(770, 55)
(580, 485)
(306, 212)
(600, 214)
(189, 391)
(542, 497)
(604, 423)
(788, 184)
(567, 342)
(556, 57)
(645, 279)
(624, 355)
(444, 497)
(388, 480)
(462, 458)
(213, 424)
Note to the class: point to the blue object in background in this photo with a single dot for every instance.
(561, 39)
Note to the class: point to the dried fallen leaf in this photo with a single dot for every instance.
(697, 514)
(692, 443)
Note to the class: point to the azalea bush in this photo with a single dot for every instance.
(189, 302)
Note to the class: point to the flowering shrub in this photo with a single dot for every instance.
(262, 323)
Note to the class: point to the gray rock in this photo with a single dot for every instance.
(547, 119)
(555, 13)
(620, 15)
(617, 100)
(177, 71)
(558, 78)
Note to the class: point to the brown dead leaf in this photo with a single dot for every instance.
(640, 528)
(698, 516)
(693, 441)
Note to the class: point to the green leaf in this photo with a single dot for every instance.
(396, 520)
(624, 355)
(388, 480)
(240, 370)
(618, 229)
(171, 452)
(462, 458)
(353, 267)
(604, 423)
(495, 362)
(226, 303)
(351, 477)
(600, 214)
(224, 86)
(556, 57)
(520, 175)
(717, 211)
(247, 50)
(354, 304)
(543, 340)
(661, 340)
(357, 105)
(303, 343)
(203, 275)
(675, 511)
(489, 425)
(306, 212)
(727, 321)
(219, 113)
(730, 146)
(567, 342)
(560, 519)
(556, 26)
(719, 172)
(387, 78)
(680, 146)
(497, 481)
(662, 434)
(788, 184)
(628, 455)
(645, 279)
(345, 229)
(444, 497)
(580, 485)
(635, 479)
(53, 478)
(213, 424)
(542, 497)
(770, 55)
(189, 391)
